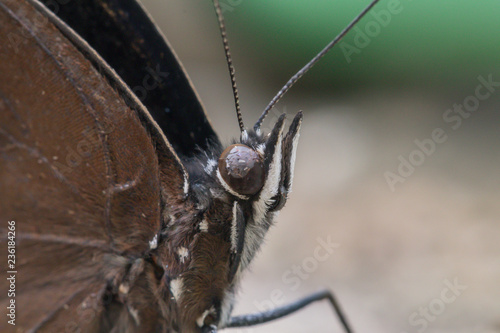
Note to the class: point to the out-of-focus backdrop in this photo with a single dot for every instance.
(397, 168)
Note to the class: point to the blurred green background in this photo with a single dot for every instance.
(419, 43)
(396, 248)
(400, 42)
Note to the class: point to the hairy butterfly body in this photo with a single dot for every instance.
(130, 214)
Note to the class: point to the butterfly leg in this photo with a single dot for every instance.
(209, 329)
(262, 317)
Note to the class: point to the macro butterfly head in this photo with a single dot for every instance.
(261, 164)
(236, 193)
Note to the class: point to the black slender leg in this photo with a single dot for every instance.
(209, 329)
(262, 317)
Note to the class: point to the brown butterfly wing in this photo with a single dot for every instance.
(79, 175)
(128, 40)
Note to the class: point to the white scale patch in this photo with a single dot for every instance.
(135, 314)
(204, 226)
(209, 168)
(244, 136)
(261, 149)
(183, 253)
(123, 289)
(176, 288)
(153, 244)
(295, 144)
(234, 230)
(186, 183)
(201, 319)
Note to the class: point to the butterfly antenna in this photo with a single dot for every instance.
(222, 27)
(311, 63)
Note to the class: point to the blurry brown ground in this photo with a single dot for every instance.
(396, 249)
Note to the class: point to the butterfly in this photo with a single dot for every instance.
(121, 209)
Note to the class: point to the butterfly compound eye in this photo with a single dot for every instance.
(242, 168)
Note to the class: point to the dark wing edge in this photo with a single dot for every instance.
(170, 164)
(135, 48)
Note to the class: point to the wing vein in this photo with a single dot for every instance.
(102, 245)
